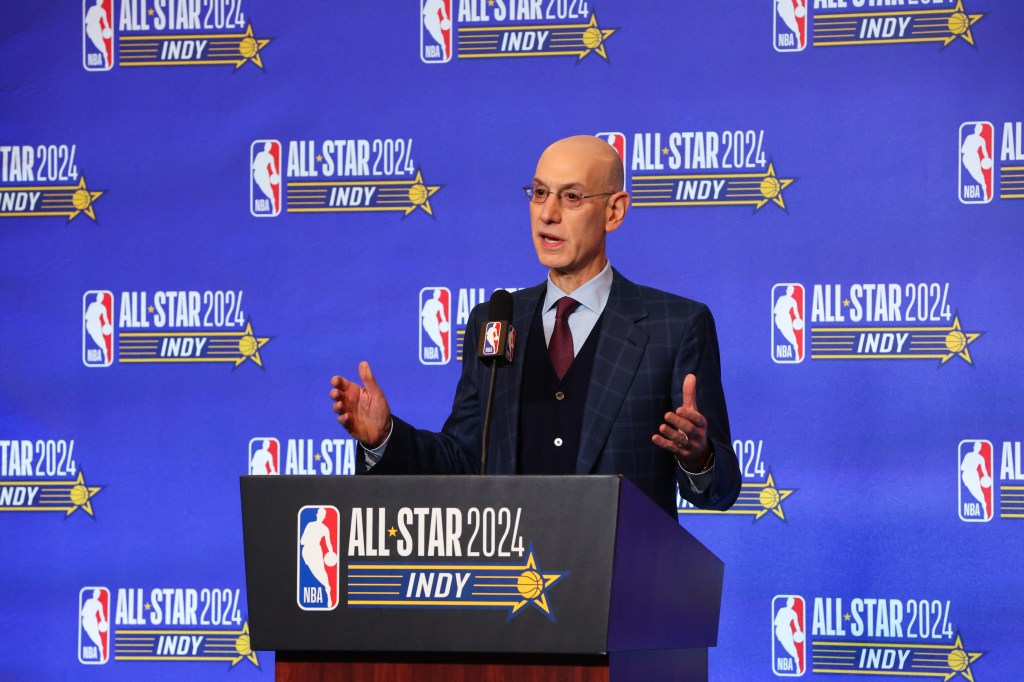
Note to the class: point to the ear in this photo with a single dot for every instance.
(615, 211)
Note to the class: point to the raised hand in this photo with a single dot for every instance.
(362, 410)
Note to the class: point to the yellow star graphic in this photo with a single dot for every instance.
(249, 346)
(81, 496)
(771, 499)
(392, 532)
(540, 582)
(243, 647)
(959, 24)
(771, 188)
(593, 39)
(249, 49)
(846, 303)
(419, 195)
(959, 660)
(957, 342)
(82, 199)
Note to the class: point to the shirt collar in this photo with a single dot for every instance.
(592, 295)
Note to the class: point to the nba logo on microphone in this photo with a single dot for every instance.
(788, 332)
(265, 178)
(94, 625)
(492, 335)
(976, 162)
(98, 328)
(975, 480)
(790, 27)
(435, 325)
(435, 31)
(789, 633)
(97, 34)
(318, 570)
(264, 456)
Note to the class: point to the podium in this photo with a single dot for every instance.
(474, 578)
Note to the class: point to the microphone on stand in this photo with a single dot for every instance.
(496, 347)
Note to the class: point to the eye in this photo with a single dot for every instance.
(572, 196)
(541, 192)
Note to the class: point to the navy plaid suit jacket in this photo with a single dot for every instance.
(649, 341)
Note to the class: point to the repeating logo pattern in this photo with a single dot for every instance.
(318, 565)
(436, 323)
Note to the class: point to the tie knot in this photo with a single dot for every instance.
(565, 306)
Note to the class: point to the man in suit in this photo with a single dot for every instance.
(605, 363)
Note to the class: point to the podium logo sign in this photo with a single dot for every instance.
(318, 565)
(445, 558)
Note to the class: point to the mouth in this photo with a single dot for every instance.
(549, 240)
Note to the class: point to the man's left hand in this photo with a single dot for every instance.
(685, 431)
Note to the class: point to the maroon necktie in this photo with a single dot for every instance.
(560, 348)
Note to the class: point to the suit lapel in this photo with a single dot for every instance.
(505, 424)
(620, 348)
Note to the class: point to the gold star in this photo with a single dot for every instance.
(771, 499)
(249, 346)
(419, 195)
(846, 303)
(243, 647)
(547, 580)
(150, 309)
(593, 39)
(959, 660)
(392, 532)
(81, 495)
(957, 342)
(82, 199)
(317, 457)
(249, 48)
(847, 616)
(664, 150)
(319, 158)
(771, 189)
(959, 24)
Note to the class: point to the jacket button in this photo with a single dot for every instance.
(558, 442)
(559, 395)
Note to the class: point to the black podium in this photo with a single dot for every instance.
(474, 578)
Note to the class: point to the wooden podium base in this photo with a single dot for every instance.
(682, 665)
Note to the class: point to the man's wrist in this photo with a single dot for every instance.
(384, 441)
(706, 462)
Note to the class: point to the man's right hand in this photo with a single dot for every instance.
(362, 410)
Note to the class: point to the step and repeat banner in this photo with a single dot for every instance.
(210, 207)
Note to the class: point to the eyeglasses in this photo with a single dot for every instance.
(569, 198)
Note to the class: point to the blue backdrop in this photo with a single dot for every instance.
(208, 208)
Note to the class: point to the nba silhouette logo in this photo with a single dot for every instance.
(435, 31)
(93, 625)
(492, 334)
(789, 645)
(318, 570)
(97, 328)
(788, 332)
(790, 26)
(264, 456)
(435, 325)
(265, 178)
(976, 162)
(975, 480)
(97, 34)
(618, 143)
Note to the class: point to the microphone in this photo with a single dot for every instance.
(497, 336)
(497, 346)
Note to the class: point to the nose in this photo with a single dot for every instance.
(551, 210)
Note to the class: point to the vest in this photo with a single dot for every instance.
(551, 411)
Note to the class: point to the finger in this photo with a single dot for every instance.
(338, 382)
(690, 392)
(680, 422)
(676, 436)
(693, 416)
(367, 376)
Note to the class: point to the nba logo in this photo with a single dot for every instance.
(97, 34)
(618, 143)
(790, 34)
(492, 335)
(788, 323)
(319, 529)
(435, 31)
(435, 325)
(974, 480)
(265, 178)
(789, 648)
(976, 182)
(94, 625)
(97, 328)
(264, 456)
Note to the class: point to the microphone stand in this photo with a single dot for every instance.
(488, 409)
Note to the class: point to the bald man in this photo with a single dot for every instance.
(641, 395)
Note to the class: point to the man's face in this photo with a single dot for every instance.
(571, 241)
